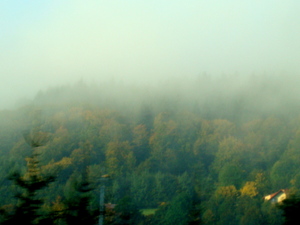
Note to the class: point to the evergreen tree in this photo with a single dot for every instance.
(28, 209)
(78, 209)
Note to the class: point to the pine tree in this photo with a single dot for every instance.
(78, 208)
(28, 209)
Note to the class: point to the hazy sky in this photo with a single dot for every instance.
(53, 42)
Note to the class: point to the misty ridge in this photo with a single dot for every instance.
(233, 97)
(131, 112)
(201, 150)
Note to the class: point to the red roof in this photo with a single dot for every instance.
(276, 193)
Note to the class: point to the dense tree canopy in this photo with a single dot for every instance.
(188, 163)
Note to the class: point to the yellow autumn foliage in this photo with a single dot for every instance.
(249, 189)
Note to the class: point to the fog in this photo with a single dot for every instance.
(53, 43)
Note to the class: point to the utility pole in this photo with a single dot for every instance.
(101, 199)
(102, 208)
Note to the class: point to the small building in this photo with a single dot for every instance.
(277, 197)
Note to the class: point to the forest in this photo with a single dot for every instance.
(203, 151)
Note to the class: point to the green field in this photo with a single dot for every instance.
(147, 212)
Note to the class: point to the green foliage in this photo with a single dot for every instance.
(142, 187)
(28, 210)
(178, 210)
(283, 171)
(162, 154)
(127, 212)
(231, 174)
(272, 215)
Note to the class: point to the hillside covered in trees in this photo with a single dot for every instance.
(203, 151)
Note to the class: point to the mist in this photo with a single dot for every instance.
(56, 43)
(188, 109)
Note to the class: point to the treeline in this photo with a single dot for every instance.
(190, 163)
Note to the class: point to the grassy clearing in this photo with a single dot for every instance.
(147, 212)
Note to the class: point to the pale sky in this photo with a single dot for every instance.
(56, 42)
